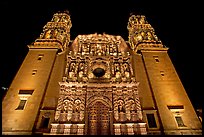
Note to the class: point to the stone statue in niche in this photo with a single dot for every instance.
(133, 21)
(56, 19)
(121, 107)
(54, 33)
(81, 66)
(51, 34)
(66, 105)
(114, 50)
(107, 49)
(76, 106)
(149, 36)
(111, 49)
(136, 20)
(126, 67)
(47, 34)
(81, 69)
(64, 19)
(133, 107)
(143, 35)
(104, 49)
(62, 37)
(72, 69)
(92, 52)
(85, 48)
(99, 50)
(138, 37)
(126, 70)
(117, 70)
(142, 20)
(116, 67)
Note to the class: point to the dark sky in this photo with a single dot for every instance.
(177, 24)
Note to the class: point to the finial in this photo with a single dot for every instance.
(67, 11)
(132, 13)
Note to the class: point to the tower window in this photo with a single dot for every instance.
(21, 105)
(156, 58)
(34, 72)
(45, 122)
(179, 121)
(162, 73)
(151, 121)
(26, 92)
(40, 56)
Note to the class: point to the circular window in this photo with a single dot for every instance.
(99, 72)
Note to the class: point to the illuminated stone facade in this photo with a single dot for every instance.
(97, 84)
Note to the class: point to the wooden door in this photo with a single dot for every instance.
(98, 119)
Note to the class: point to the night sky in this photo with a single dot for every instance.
(177, 24)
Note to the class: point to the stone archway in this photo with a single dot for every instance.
(98, 118)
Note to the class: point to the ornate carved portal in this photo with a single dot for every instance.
(98, 93)
(98, 119)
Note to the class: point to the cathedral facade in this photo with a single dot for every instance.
(97, 84)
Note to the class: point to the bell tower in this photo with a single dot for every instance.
(142, 34)
(56, 33)
(25, 98)
(165, 104)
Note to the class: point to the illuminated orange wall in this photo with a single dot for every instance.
(52, 92)
(168, 91)
(23, 120)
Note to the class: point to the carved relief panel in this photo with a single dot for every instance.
(126, 104)
(98, 88)
(121, 70)
(76, 69)
(98, 45)
(71, 104)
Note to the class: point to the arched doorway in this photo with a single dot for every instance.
(98, 118)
